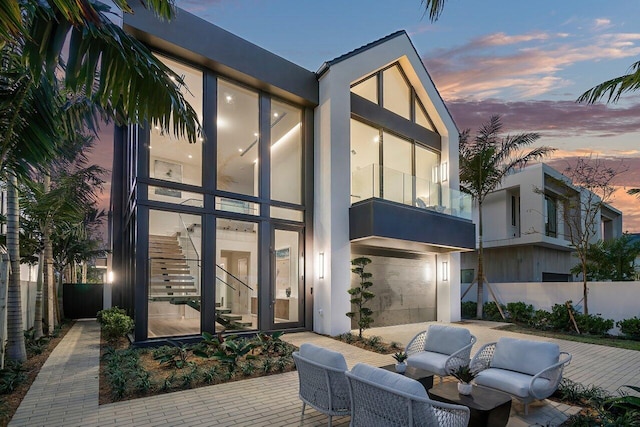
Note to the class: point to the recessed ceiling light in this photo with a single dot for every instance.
(376, 139)
(255, 134)
(172, 78)
(149, 147)
(229, 98)
(240, 150)
(275, 114)
(190, 156)
(201, 139)
(156, 127)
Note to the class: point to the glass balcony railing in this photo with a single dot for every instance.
(389, 184)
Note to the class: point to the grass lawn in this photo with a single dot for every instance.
(589, 339)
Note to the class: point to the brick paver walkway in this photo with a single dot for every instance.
(65, 392)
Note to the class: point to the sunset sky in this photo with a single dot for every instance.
(527, 61)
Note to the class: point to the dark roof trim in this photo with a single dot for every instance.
(325, 67)
(200, 42)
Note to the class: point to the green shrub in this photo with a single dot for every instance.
(11, 377)
(519, 312)
(468, 309)
(593, 324)
(115, 323)
(559, 318)
(491, 312)
(630, 327)
(541, 319)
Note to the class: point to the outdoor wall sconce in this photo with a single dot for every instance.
(445, 271)
(444, 172)
(321, 265)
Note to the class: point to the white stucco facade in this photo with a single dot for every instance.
(332, 178)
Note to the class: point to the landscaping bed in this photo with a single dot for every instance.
(15, 380)
(373, 343)
(129, 373)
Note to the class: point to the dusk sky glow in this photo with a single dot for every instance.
(527, 61)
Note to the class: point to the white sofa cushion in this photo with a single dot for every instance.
(429, 361)
(323, 356)
(514, 383)
(446, 339)
(389, 379)
(529, 357)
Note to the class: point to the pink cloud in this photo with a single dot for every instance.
(476, 70)
(556, 119)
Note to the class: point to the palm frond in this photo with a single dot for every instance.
(614, 88)
(10, 21)
(434, 8)
(634, 191)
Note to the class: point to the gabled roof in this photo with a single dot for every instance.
(325, 66)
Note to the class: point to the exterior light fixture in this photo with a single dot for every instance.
(321, 265)
(444, 172)
(110, 277)
(445, 271)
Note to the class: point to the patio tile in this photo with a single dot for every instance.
(66, 391)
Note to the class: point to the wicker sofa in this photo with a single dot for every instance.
(527, 370)
(380, 398)
(323, 385)
(440, 349)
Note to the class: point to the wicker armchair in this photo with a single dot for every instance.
(527, 370)
(323, 385)
(440, 349)
(385, 399)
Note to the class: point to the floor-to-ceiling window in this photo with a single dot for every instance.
(212, 211)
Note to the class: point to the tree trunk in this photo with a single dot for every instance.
(585, 289)
(15, 328)
(480, 276)
(48, 267)
(37, 322)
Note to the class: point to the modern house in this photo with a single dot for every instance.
(526, 235)
(254, 226)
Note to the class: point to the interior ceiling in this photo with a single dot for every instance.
(237, 127)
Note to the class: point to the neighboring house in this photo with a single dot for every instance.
(254, 226)
(635, 237)
(525, 235)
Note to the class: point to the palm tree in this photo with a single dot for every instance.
(484, 162)
(107, 74)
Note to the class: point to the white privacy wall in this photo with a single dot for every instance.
(611, 300)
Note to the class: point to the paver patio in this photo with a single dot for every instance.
(65, 393)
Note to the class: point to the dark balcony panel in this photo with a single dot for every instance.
(376, 220)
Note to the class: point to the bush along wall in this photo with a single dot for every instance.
(561, 318)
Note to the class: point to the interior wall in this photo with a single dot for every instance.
(405, 290)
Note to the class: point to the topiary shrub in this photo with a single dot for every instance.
(114, 323)
(468, 309)
(519, 312)
(630, 327)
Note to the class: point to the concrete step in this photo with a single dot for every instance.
(242, 324)
(231, 316)
(165, 271)
(171, 278)
(223, 311)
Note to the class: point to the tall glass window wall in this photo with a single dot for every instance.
(174, 160)
(182, 289)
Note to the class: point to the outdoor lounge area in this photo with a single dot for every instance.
(66, 392)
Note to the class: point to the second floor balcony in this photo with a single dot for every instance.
(376, 181)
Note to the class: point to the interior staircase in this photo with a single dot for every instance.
(171, 280)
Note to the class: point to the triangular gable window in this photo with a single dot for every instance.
(367, 89)
(396, 92)
(421, 116)
(398, 95)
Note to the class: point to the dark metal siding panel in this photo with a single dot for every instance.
(204, 43)
(377, 116)
(380, 218)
